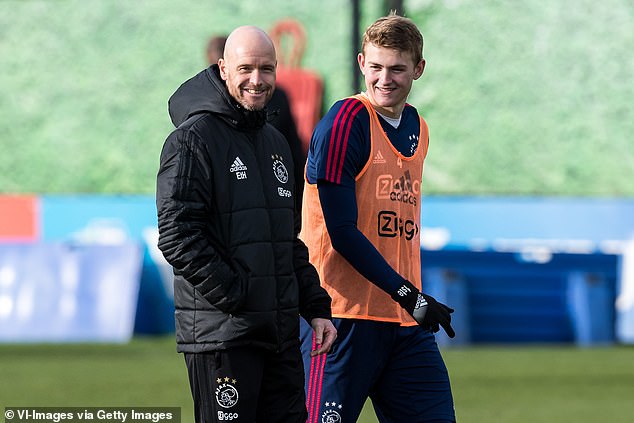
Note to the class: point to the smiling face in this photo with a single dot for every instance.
(389, 74)
(248, 67)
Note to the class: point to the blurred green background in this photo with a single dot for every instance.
(522, 98)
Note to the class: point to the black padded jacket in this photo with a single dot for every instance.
(227, 225)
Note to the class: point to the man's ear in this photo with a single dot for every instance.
(361, 61)
(419, 69)
(222, 65)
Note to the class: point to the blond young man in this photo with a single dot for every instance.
(361, 223)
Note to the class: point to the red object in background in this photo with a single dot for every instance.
(18, 218)
(304, 87)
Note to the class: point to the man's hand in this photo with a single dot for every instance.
(438, 314)
(325, 334)
(428, 313)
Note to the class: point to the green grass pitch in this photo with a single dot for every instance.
(510, 384)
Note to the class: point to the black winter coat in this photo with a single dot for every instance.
(227, 225)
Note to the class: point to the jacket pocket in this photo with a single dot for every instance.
(227, 293)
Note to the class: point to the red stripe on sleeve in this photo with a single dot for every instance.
(345, 142)
(339, 137)
(333, 136)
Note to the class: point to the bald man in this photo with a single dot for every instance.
(279, 115)
(228, 226)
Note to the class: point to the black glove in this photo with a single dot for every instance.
(428, 313)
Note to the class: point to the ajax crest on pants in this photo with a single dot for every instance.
(227, 397)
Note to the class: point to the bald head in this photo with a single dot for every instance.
(248, 66)
(246, 38)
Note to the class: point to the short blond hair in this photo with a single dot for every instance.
(395, 32)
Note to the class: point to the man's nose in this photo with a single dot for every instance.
(385, 76)
(256, 77)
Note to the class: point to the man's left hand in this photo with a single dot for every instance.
(325, 334)
(438, 314)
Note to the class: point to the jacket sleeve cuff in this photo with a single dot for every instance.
(313, 311)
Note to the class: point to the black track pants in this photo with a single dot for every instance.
(247, 385)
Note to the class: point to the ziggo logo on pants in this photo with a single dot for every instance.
(227, 416)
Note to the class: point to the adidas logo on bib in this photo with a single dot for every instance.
(378, 158)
